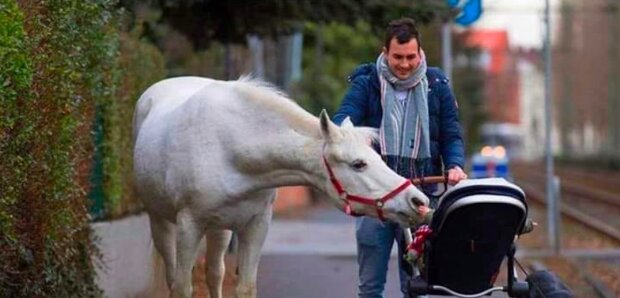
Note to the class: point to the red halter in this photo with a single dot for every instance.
(378, 203)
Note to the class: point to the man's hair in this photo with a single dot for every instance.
(404, 30)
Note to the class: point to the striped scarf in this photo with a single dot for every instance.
(404, 132)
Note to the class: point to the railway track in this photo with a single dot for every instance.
(596, 207)
(594, 186)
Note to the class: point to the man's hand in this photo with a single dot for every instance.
(455, 175)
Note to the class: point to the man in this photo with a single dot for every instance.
(419, 135)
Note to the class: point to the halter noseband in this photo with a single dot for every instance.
(346, 197)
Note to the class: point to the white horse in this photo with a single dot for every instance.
(208, 155)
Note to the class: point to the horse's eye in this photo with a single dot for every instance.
(358, 165)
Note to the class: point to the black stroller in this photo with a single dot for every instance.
(473, 229)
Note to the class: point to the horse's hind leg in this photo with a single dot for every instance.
(217, 243)
(163, 233)
(188, 235)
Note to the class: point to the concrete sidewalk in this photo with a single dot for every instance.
(129, 266)
(130, 269)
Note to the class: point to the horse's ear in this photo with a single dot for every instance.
(346, 122)
(329, 130)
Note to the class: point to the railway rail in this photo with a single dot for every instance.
(596, 207)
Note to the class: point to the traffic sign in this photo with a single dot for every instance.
(470, 10)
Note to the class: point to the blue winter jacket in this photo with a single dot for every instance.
(362, 103)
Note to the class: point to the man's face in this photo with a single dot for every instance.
(404, 58)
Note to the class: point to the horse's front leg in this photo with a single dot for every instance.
(189, 233)
(251, 242)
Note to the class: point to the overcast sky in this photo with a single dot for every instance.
(522, 18)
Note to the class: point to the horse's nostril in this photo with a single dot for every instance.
(416, 202)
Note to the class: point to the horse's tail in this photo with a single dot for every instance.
(143, 106)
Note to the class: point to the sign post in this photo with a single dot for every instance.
(553, 203)
(470, 12)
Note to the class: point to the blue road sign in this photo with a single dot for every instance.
(470, 10)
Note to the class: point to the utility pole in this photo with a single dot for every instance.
(553, 203)
(566, 113)
(446, 48)
(613, 129)
(255, 44)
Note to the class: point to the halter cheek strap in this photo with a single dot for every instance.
(347, 198)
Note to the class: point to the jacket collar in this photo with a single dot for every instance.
(368, 69)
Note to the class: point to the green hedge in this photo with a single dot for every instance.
(15, 78)
(47, 144)
(142, 65)
(62, 63)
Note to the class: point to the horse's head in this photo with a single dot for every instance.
(358, 179)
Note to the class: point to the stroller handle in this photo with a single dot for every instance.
(430, 180)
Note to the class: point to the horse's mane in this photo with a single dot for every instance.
(278, 101)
